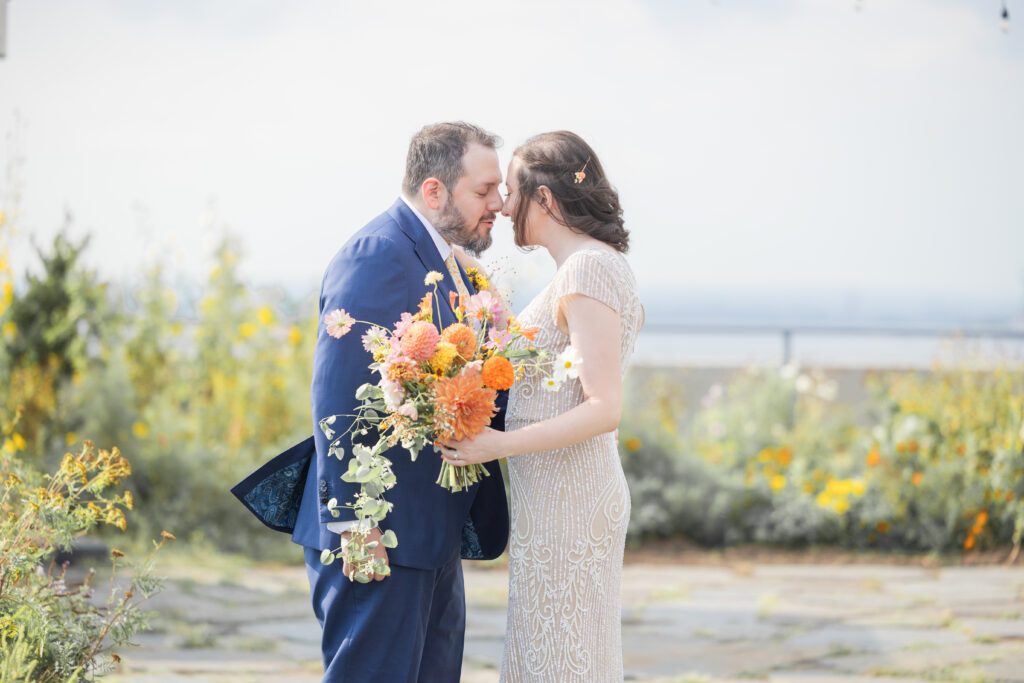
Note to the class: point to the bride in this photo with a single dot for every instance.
(570, 503)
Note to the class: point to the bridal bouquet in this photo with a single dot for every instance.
(436, 383)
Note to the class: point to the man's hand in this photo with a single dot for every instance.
(379, 552)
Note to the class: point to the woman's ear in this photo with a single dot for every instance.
(545, 198)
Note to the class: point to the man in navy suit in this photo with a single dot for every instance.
(410, 625)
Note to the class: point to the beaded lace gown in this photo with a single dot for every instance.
(570, 507)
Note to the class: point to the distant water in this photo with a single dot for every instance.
(817, 350)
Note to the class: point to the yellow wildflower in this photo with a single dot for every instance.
(140, 429)
(10, 330)
(19, 441)
(294, 335)
(857, 487)
(246, 330)
(841, 505)
(824, 499)
(265, 315)
(778, 482)
(71, 438)
(808, 487)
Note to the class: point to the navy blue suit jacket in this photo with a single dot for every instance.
(377, 275)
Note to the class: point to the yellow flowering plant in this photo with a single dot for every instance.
(51, 628)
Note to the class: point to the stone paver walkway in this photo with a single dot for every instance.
(680, 623)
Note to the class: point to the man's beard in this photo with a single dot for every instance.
(453, 227)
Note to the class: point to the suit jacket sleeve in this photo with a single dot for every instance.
(358, 281)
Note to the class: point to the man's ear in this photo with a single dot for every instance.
(433, 193)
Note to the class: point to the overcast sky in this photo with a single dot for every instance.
(769, 144)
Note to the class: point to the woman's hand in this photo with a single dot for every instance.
(466, 259)
(486, 446)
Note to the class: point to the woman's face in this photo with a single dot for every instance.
(511, 207)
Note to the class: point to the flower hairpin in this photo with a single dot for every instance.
(581, 174)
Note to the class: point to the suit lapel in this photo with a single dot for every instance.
(428, 255)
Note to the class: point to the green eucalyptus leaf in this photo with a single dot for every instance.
(362, 578)
(388, 539)
(326, 557)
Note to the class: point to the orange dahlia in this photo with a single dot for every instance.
(463, 406)
(420, 341)
(498, 373)
(462, 338)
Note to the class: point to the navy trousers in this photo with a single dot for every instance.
(408, 627)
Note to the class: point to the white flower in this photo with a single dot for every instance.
(393, 393)
(827, 390)
(433, 277)
(803, 384)
(375, 337)
(553, 383)
(789, 371)
(568, 362)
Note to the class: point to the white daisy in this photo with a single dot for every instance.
(568, 362)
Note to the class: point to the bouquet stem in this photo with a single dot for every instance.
(458, 477)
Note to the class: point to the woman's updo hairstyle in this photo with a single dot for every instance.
(567, 166)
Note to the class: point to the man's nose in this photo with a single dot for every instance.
(495, 204)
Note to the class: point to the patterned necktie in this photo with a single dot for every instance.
(453, 270)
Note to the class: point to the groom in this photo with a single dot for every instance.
(410, 625)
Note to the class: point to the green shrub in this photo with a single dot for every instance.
(54, 628)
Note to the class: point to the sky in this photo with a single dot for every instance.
(798, 146)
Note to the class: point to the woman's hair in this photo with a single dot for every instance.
(567, 166)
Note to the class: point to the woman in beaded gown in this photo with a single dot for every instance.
(569, 499)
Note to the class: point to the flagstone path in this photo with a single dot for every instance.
(682, 623)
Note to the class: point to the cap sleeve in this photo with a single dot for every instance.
(586, 273)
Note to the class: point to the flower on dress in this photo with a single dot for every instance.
(433, 277)
(463, 405)
(338, 323)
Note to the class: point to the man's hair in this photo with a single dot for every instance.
(436, 152)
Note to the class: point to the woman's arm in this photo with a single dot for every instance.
(594, 332)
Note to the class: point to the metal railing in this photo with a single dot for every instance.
(787, 332)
